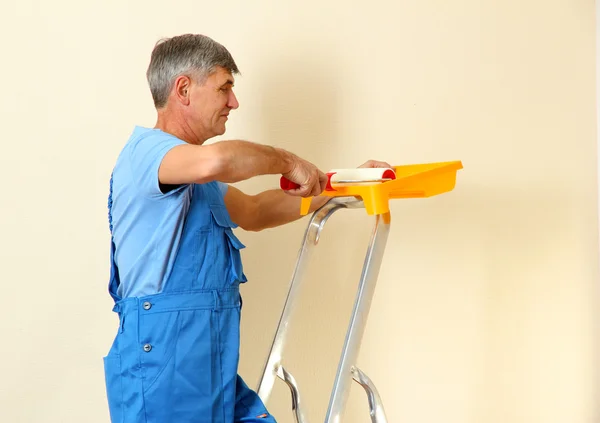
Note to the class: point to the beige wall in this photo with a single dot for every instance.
(486, 305)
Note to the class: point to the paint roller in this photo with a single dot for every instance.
(348, 176)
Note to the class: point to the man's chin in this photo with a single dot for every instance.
(220, 131)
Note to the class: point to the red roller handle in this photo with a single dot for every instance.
(286, 184)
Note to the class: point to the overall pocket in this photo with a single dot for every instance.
(114, 387)
(181, 366)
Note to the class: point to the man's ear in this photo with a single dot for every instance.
(181, 89)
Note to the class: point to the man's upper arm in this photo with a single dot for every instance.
(186, 164)
(242, 208)
(145, 156)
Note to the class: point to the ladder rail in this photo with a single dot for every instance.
(358, 321)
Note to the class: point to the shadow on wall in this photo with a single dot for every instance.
(300, 109)
(300, 106)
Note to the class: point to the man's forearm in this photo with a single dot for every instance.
(226, 161)
(241, 160)
(276, 208)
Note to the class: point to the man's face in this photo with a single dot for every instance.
(211, 103)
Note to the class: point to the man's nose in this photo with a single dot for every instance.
(232, 103)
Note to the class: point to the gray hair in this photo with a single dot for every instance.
(193, 55)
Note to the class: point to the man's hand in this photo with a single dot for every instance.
(311, 180)
(374, 163)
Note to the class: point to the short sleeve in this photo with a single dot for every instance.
(223, 188)
(145, 156)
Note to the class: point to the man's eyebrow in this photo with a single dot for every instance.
(228, 82)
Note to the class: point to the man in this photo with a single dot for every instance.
(175, 261)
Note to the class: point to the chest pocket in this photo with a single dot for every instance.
(209, 253)
(228, 245)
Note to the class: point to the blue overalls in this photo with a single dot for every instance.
(175, 356)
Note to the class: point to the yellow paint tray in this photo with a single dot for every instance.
(412, 181)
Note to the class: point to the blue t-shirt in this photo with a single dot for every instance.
(147, 223)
